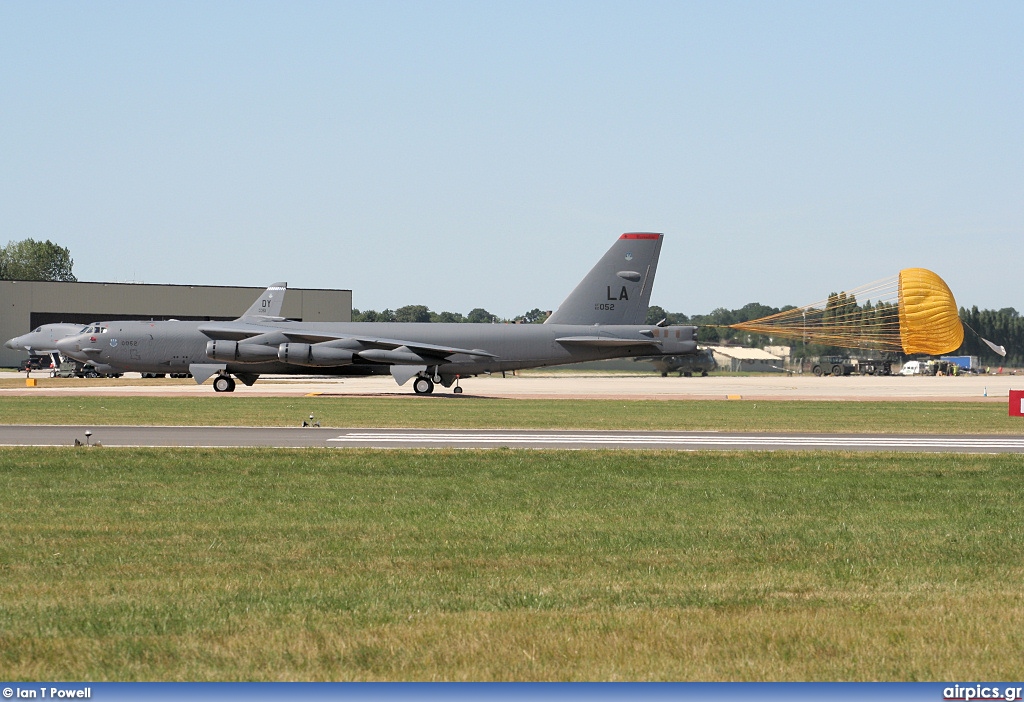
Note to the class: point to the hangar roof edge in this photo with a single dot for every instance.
(166, 285)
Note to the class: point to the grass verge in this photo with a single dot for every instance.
(168, 564)
(490, 413)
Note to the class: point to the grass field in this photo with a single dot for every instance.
(489, 413)
(168, 564)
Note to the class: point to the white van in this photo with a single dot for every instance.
(914, 368)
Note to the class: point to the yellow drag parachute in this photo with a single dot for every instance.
(929, 322)
(913, 312)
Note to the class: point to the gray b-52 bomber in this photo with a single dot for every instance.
(602, 318)
(43, 340)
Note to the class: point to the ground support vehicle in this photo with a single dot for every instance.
(832, 365)
(968, 364)
(874, 366)
(75, 369)
(38, 362)
(914, 367)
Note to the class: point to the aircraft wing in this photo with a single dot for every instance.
(234, 331)
(373, 342)
(605, 341)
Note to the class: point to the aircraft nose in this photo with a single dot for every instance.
(69, 346)
(12, 343)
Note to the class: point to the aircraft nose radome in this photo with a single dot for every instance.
(67, 346)
(12, 343)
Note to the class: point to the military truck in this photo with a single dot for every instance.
(833, 365)
(841, 365)
(874, 366)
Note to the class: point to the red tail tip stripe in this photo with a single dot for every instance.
(640, 236)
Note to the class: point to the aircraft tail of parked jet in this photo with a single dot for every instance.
(268, 305)
(618, 289)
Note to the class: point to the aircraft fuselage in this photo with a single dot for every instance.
(172, 347)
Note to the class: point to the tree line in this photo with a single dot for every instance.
(421, 313)
(1004, 327)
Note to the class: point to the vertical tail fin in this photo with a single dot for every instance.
(618, 289)
(268, 304)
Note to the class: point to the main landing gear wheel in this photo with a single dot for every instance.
(224, 383)
(423, 386)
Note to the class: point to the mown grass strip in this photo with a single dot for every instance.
(488, 413)
(509, 565)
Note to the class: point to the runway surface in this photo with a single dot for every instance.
(295, 437)
(561, 385)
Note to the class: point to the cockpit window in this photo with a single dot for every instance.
(37, 330)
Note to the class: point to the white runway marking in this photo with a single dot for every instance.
(694, 441)
(42, 435)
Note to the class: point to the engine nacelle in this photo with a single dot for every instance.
(235, 352)
(314, 355)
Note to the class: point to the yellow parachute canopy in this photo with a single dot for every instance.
(929, 322)
(913, 312)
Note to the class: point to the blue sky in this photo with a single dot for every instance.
(465, 154)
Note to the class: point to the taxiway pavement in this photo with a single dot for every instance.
(307, 437)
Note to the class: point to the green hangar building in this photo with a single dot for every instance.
(28, 304)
